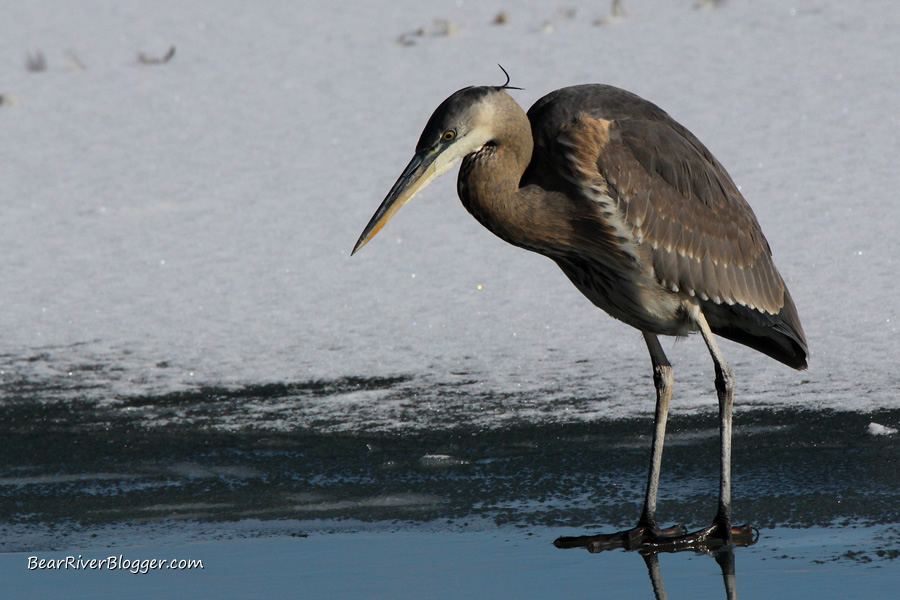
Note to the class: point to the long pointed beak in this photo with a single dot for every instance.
(417, 174)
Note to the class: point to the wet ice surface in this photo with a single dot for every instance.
(186, 339)
(77, 474)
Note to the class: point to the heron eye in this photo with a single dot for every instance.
(449, 135)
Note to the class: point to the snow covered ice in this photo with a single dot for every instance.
(187, 224)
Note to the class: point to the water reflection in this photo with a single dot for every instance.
(724, 557)
(722, 553)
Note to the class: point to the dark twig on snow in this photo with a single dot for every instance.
(150, 60)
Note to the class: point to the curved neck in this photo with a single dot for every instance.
(490, 178)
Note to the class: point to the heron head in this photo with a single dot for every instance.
(461, 125)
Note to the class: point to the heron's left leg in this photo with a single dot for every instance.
(725, 392)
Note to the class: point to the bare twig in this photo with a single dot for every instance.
(150, 60)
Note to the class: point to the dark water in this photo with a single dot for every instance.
(74, 466)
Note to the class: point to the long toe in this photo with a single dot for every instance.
(629, 539)
(714, 536)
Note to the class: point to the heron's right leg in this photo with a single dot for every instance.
(663, 380)
(647, 527)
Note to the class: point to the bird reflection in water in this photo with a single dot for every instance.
(722, 552)
(724, 557)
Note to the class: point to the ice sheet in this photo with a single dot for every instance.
(188, 224)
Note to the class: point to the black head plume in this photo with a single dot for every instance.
(506, 85)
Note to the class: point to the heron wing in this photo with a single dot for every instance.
(678, 201)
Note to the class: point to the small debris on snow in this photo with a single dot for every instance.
(152, 60)
(441, 28)
(35, 62)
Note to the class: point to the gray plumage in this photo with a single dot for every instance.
(634, 209)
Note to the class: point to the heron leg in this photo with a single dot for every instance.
(647, 527)
(725, 392)
(721, 531)
(647, 535)
(663, 380)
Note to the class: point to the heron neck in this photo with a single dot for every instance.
(489, 179)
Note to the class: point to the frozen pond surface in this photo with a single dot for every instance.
(187, 344)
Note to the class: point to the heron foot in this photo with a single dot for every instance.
(671, 539)
(708, 538)
(630, 539)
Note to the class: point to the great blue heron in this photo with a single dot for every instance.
(641, 218)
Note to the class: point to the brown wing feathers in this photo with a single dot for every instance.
(676, 196)
(676, 206)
